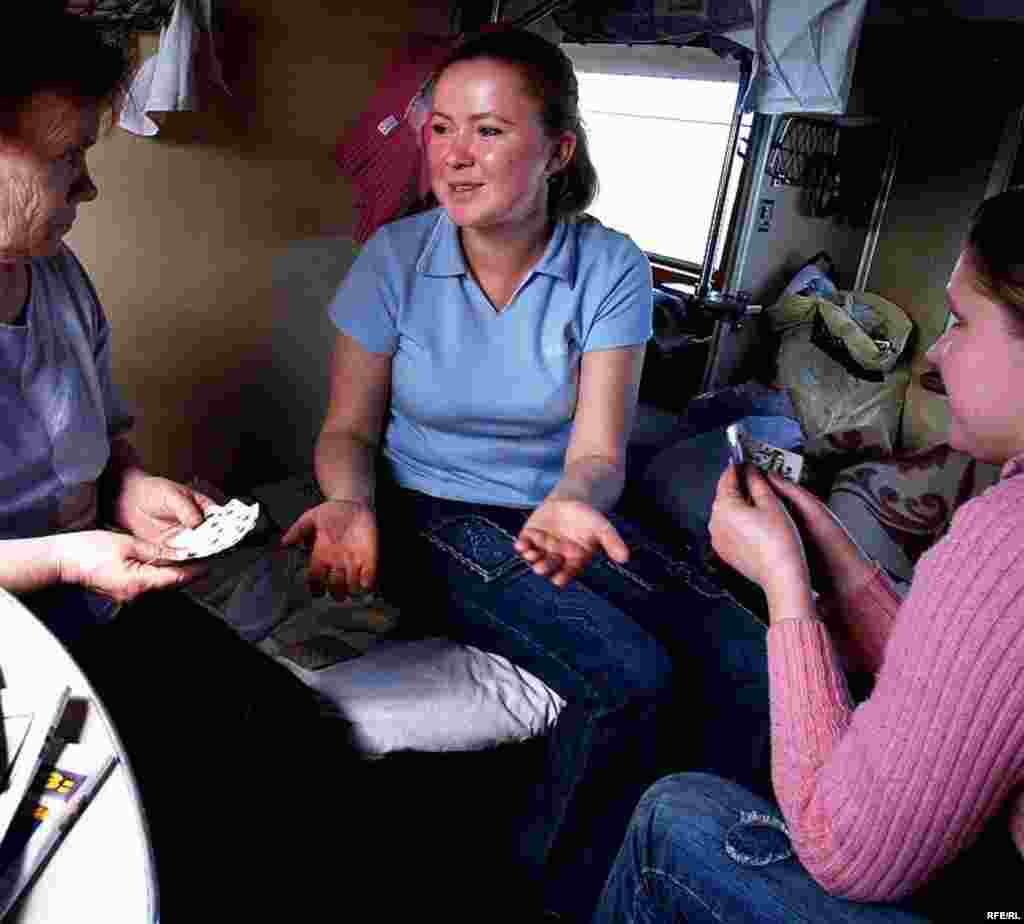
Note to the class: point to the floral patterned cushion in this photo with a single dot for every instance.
(897, 507)
(858, 443)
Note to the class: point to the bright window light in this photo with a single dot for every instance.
(658, 145)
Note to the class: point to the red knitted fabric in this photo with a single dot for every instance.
(381, 154)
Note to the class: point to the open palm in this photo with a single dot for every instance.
(561, 536)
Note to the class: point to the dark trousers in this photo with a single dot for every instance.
(240, 773)
(658, 666)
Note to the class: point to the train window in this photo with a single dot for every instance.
(658, 121)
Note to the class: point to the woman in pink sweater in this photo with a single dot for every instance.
(888, 810)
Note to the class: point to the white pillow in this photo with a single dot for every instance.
(434, 695)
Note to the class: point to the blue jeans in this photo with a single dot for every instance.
(675, 460)
(655, 429)
(621, 645)
(702, 848)
(693, 852)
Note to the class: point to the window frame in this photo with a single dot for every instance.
(669, 269)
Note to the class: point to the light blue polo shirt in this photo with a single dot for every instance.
(482, 402)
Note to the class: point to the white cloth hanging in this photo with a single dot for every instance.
(168, 80)
(804, 54)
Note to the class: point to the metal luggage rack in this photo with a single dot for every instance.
(801, 149)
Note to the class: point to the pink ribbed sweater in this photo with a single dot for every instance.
(878, 798)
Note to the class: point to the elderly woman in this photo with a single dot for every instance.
(189, 698)
(65, 437)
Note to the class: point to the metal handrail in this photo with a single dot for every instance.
(720, 196)
(538, 13)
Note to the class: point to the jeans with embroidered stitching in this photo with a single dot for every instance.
(622, 644)
(703, 849)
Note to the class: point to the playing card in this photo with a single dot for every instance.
(222, 528)
(773, 459)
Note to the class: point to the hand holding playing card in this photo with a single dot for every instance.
(757, 536)
(768, 458)
(117, 565)
(221, 529)
(842, 562)
(154, 508)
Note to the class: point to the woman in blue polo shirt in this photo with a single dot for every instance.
(484, 384)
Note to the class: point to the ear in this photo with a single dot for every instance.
(561, 156)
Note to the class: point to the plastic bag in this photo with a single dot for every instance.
(829, 398)
(815, 278)
(873, 331)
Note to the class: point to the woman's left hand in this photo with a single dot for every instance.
(154, 508)
(758, 536)
(561, 536)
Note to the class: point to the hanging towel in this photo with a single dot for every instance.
(167, 81)
(805, 52)
(382, 154)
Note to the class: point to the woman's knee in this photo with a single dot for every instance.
(693, 822)
(679, 790)
(692, 834)
(677, 829)
(696, 803)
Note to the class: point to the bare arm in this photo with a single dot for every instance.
(28, 564)
(342, 532)
(116, 565)
(861, 606)
(595, 462)
(351, 434)
(569, 527)
(109, 562)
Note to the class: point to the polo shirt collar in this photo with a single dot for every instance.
(559, 259)
(442, 254)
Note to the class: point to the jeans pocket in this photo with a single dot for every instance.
(478, 544)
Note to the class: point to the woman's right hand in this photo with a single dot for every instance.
(118, 565)
(846, 565)
(343, 539)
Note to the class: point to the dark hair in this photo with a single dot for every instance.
(993, 241)
(57, 52)
(550, 79)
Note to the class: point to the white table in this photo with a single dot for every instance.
(104, 870)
